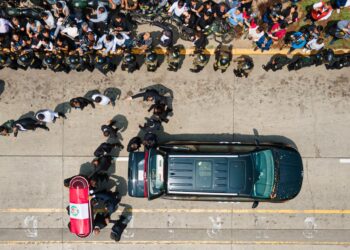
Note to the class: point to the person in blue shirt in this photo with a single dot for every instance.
(298, 41)
(235, 16)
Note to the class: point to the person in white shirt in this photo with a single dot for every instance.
(178, 8)
(314, 44)
(47, 17)
(5, 26)
(101, 15)
(44, 44)
(101, 99)
(106, 42)
(48, 116)
(122, 40)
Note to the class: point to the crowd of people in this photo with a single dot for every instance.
(71, 34)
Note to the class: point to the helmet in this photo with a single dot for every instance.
(248, 65)
(224, 61)
(3, 58)
(129, 58)
(49, 60)
(73, 59)
(151, 57)
(24, 58)
(175, 54)
(100, 60)
(202, 58)
(329, 55)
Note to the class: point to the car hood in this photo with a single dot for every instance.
(290, 173)
(135, 174)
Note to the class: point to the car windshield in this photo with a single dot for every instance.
(264, 174)
(156, 175)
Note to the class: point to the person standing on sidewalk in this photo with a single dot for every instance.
(48, 116)
(80, 103)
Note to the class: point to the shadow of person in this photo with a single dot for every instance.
(121, 122)
(29, 114)
(113, 94)
(63, 108)
(121, 224)
(182, 54)
(90, 93)
(86, 169)
(162, 90)
(2, 86)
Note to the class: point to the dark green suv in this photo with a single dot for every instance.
(216, 172)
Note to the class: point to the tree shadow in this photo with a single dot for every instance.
(2, 86)
(113, 94)
(63, 108)
(29, 114)
(90, 93)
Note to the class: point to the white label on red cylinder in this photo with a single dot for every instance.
(79, 211)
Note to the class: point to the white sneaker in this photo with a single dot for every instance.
(338, 11)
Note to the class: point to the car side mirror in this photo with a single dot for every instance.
(255, 204)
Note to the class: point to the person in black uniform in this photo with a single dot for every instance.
(110, 129)
(134, 144)
(80, 103)
(106, 148)
(150, 95)
(27, 124)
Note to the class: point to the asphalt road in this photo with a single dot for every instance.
(308, 108)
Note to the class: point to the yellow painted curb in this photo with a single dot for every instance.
(240, 51)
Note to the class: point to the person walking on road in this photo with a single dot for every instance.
(48, 116)
(101, 99)
(80, 103)
(28, 123)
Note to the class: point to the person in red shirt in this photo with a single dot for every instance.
(278, 33)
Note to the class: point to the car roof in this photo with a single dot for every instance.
(210, 173)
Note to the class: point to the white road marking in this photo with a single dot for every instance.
(344, 160)
(122, 158)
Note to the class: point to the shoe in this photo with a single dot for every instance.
(264, 67)
(338, 11)
(256, 48)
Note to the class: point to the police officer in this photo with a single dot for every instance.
(151, 61)
(173, 58)
(244, 66)
(28, 59)
(223, 57)
(104, 64)
(80, 103)
(199, 62)
(129, 62)
(276, 62)
(55, 62)
(8, 60)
